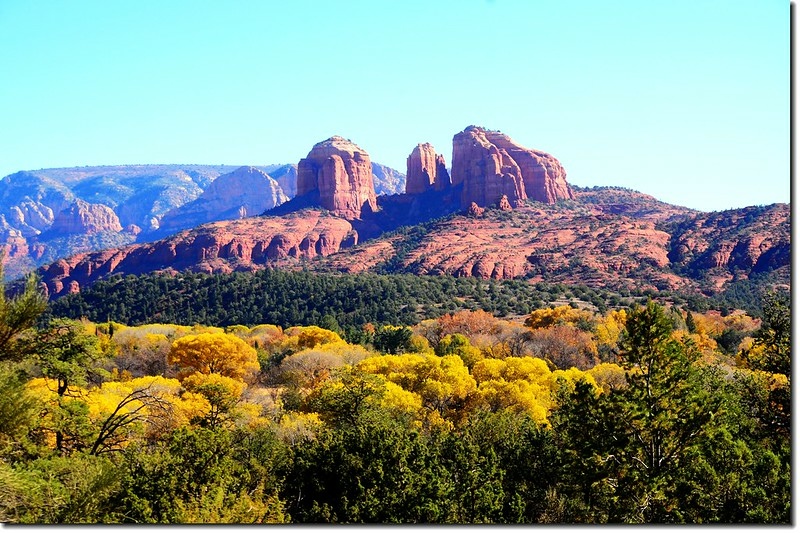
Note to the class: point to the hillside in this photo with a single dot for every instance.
(574, 243)
(140, 198)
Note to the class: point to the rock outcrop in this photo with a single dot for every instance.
(544, 177)
(286, 176)
(247, 191)
(30, 202)
(425, 170)
(220, 247)
(489, 165)
(86, 219)
(340, 174)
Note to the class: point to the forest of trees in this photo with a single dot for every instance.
(347, 300)
(635, 414)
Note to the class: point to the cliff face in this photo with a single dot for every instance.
(340, 173)
(425, 170)
(85, 218)
(243, 245)
(489, 165)
(244, 192)
(29, 203)
(544, 177)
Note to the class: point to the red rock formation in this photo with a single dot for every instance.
(474, 211)
(490, 165)
(341, 173)
(85, 218)
(425, 170)
(246, 244)
(504, 205)
(487, 172)
(442, 176)
(545, 179)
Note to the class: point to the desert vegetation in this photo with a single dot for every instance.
(637, 413)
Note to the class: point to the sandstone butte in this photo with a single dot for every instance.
(85, 218)
(340, 174)
(491, 165)
(425, 170)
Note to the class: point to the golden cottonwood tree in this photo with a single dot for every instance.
(214, 353)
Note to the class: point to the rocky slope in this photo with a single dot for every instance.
(573, 242)
(387, 180)
(247, 191)
(245, 244)
(140, 196)
(85, 218)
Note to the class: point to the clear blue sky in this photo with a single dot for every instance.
(687, 100)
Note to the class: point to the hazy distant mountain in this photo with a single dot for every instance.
(140, 197)
(246, 191)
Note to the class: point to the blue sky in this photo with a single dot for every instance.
(687, 100)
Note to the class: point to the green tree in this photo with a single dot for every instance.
(18, 412)
(643, 438)
(773, 339)
(66, 353)
(201, 475)
(393, 339)
(18, 314)
(376, 472)
(458, 344)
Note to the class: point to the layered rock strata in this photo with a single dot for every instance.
(85, 218)
(425, 170)
(490, 164)
(220, 247)
(341, 174)
(247, 191)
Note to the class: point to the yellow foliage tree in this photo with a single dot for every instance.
(609, 376)
(570, 377)
(295, 426)
(311, 366)
(564, 314)
(443, 383)
(609, 327)
(214, 353)
(520, 384)
(311, 336)
(222, 393)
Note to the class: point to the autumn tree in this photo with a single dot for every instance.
(139, 406)
(214, 353)
(565, 346)
(458, 344)
(141, 352)
(564, 314)
(223, 393)
(469, 323)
